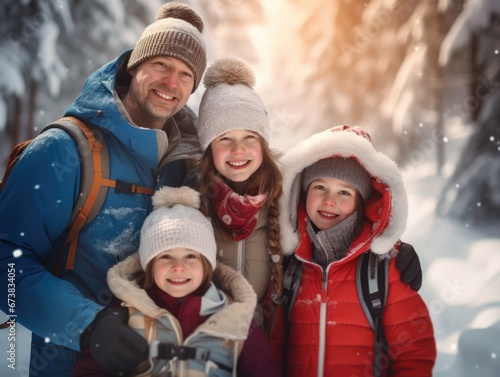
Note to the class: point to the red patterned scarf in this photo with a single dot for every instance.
(238, 213)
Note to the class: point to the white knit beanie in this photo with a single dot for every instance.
(177, 33)
(176, 222)
(229, 102)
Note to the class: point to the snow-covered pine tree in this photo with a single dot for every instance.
(472, 193)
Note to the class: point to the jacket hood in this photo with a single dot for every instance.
(387, 207)
(232, 322)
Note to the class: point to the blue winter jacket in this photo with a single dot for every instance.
(35, 207)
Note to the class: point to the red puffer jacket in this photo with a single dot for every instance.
(343, 332)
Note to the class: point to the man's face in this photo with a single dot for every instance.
(160, 87)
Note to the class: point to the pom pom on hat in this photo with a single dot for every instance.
(176, 33)
(182, 12)
(176, 222)
(229, 71)
(230, 102)
(168, 197)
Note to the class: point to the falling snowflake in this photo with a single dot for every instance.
(17, 253)
(37, 187)
(445, 139)
(47, 339)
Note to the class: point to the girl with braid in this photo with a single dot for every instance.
(240, 182)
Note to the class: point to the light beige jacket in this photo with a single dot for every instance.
(250, 257)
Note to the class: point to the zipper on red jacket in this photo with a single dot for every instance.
(322, 315)
(324, 286)
(322, 322)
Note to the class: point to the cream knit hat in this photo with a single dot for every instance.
(176, 33)
(229, 102)
(176, 222)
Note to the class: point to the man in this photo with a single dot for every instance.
(131, 103)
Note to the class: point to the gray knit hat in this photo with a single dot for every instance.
(345, 169)
(177, 33)
(229, 102)
(176, 222)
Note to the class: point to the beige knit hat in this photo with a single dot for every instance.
(176, 222)
(229, 102)
(176, 33)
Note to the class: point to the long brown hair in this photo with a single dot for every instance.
(267, 179)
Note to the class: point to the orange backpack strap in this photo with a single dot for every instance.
(94, 158)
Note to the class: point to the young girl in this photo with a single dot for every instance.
(343, 198)
(240, 181)
(193, 328)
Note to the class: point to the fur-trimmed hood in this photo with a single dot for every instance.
(232, 322)
(387, 207)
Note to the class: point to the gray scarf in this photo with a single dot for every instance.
(331, 244)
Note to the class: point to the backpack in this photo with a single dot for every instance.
(371, 284)
(95, 182)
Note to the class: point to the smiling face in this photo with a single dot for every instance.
(237, 154)
(329, 201)
(160, 87)
(178, 272)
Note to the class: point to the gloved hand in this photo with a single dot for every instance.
(113, 344)
(408, 264)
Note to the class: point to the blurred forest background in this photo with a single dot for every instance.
(412, 72)
(402, 69)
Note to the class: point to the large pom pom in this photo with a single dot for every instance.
(170, 196)
(230, 71)
(182, 12)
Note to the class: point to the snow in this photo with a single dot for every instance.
(475, 17)
(461, 266)
(52, 69)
